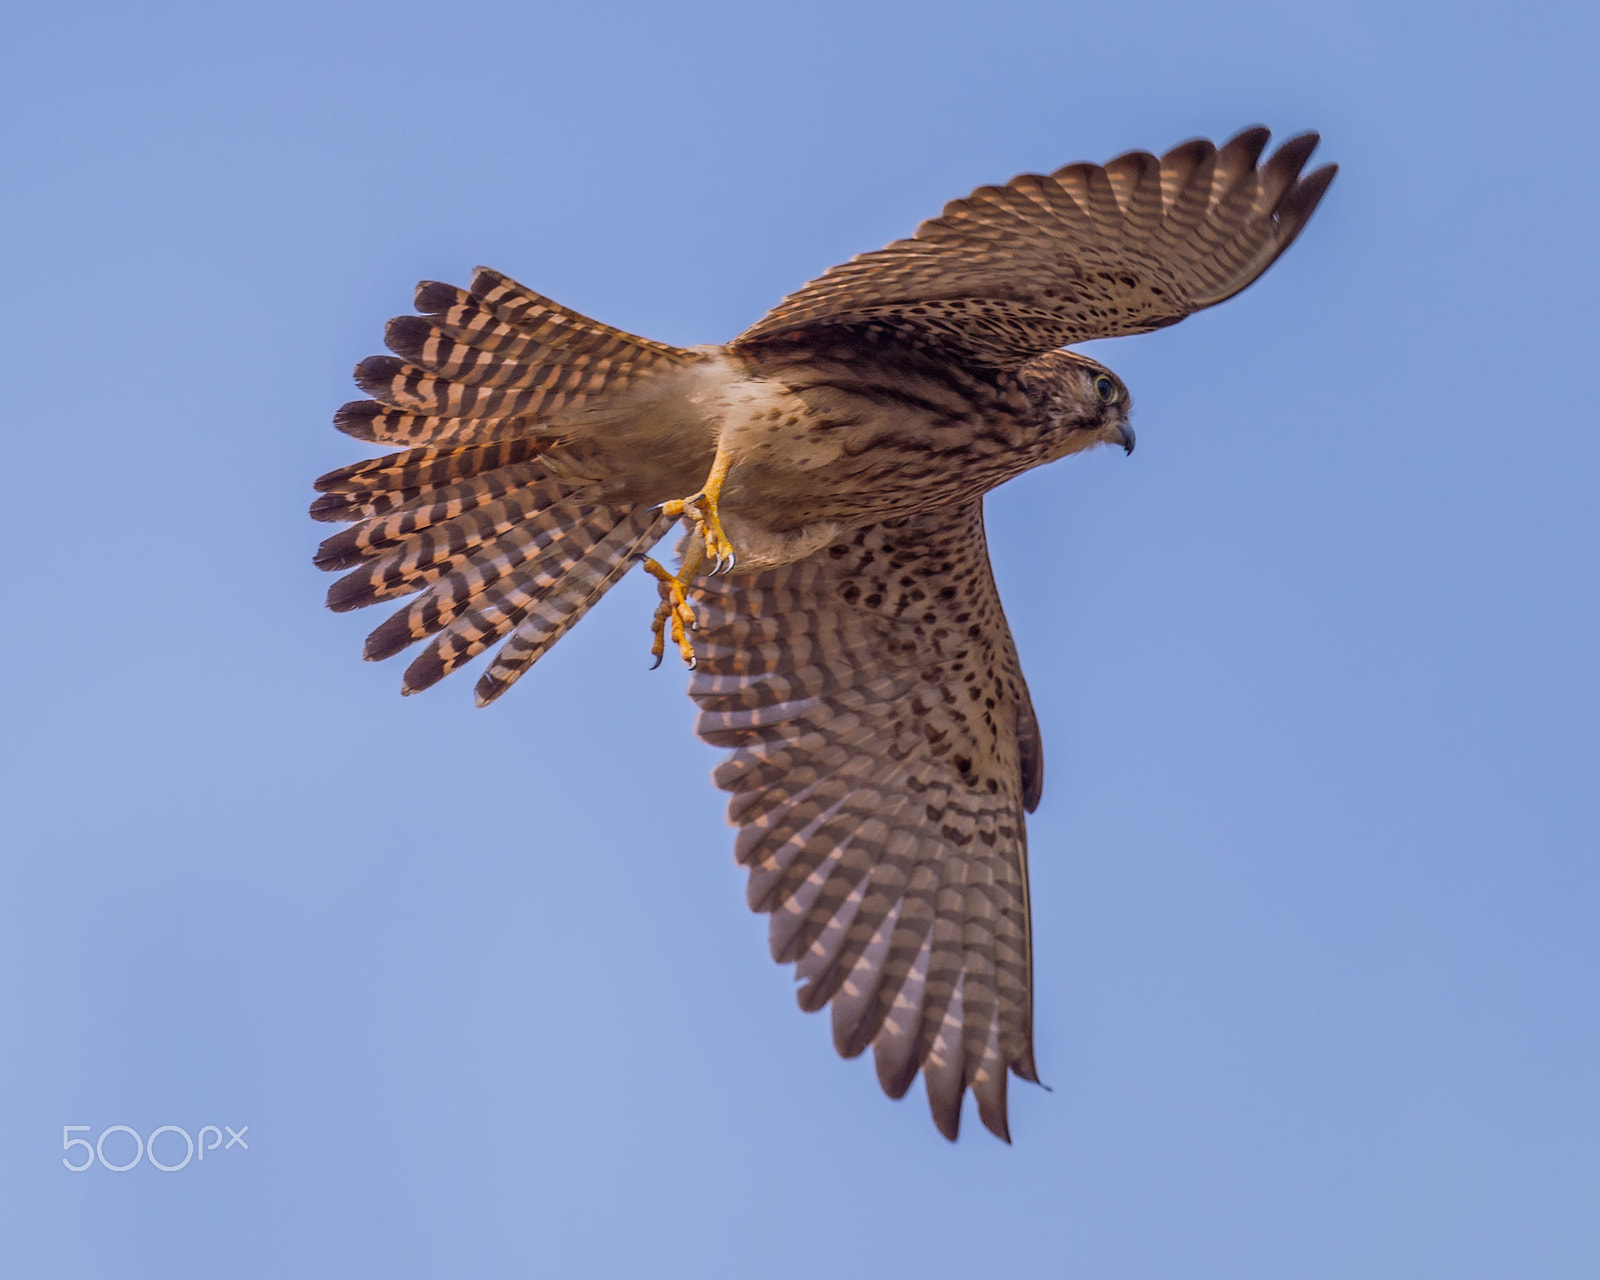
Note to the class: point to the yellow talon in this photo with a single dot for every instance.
(707, 521)
(707, 541)
(701, 509)
(674, 608)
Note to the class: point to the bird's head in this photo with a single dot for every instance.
(1082, 403)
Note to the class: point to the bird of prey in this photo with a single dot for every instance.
(833, 596)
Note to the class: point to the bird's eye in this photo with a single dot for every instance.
(1105, 389)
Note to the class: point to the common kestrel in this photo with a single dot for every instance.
(834, 596)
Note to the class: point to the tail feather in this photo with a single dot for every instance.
(401, 533)
(428, 554)
(582, 554)
(555, 612)
(457, 314)
(470, 514)
(463, 319)
(560, 327)
(425, 468)
(379, 424)
(493, 364)
(503, 563)
(479, 354)
(391, 381)
(433, 349)
(542, 328)
(406, 510)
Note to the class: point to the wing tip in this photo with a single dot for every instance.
(990, 1094)
(1296, 206)
(1302, 199)
(1253, 137)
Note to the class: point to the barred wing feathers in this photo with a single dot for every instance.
(1011, 272)
(884, 753)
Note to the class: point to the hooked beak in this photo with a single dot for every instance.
(1125, 431)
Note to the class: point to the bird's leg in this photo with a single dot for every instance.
(707, 541)
(701, 509)
(674, 607)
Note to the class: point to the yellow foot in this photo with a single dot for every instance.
(701, 510)
(674, 609)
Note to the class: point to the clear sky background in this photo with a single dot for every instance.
(1317, 873)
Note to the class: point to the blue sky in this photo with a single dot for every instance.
(1315, 877)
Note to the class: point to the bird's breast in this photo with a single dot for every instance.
(854, 454)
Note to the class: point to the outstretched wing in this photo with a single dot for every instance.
(1087, 252)
(885, 751)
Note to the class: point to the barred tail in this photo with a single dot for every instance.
(477, 520)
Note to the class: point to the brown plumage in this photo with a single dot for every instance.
(855, 660)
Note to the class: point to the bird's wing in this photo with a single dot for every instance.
(884, 754)
(1086, 252)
